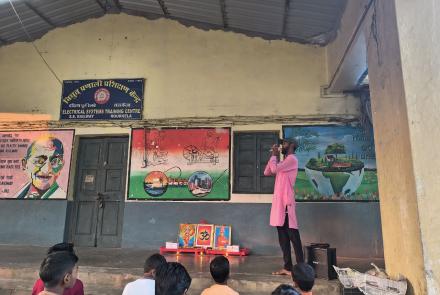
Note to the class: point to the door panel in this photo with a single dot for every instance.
(113, 180)
(110, 227)
(100, 191)
(90, 154)
(86, 192)
(116, 153)
(113, 191)
(245, 162)
(265, 142)
(251, 153)
(84, 225)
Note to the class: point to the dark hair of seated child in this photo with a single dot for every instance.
(304, 276)
(219, 269)
(285, 290)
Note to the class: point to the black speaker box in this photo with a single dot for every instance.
(322, 258)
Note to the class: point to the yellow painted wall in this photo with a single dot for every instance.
(189, 72)
(408, 181)
(419, 38)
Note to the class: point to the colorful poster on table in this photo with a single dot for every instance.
(180, 164)
(118, 99)
(187, 235)
(35, 164)
(222, 236)
(335, 163)
(205, 235)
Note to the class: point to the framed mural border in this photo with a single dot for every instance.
(327, 201)
(173, 199)
(70, 164)
(91, 120)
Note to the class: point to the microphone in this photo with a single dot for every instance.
(279, 142)
(279, 149)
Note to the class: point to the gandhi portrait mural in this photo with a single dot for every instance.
(43, 164)
(37, 165)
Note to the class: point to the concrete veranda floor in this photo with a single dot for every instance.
(106, 271)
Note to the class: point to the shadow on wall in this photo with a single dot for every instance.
(32, 222)
(353, 228)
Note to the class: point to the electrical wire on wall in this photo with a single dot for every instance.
(33, 44)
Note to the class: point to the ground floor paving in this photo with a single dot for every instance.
(106, 271)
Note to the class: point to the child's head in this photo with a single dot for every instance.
(304, 276)
(59, 270)
(152, 263)
(61, 247)
(285, 290)
(220, 269)
(172, 279)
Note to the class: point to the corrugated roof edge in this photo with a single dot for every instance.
(319, 40)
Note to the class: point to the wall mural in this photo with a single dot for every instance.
(35, 164)
(180, 164)
(336, 163)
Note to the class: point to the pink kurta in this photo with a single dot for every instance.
(283, 196)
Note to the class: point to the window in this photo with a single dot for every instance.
(251, 153)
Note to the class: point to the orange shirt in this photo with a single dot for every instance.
(219, 290)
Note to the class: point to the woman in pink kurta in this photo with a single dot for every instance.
(282, 213)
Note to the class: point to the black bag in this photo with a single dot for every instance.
(322, 258)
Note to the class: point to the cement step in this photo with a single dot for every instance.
(107, 271)
(109, 281)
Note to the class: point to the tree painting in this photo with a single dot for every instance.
(335, 162)
(335, 148)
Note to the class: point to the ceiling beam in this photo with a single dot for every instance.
(224, 14)
(285, 17)
(40, 15)
(164, 8)
(104, 9)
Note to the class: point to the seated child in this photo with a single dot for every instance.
(58, 272)
(172, 278)
(77, 289)
(219, 268)
(285, 290)
(303, 276)
(145, 285)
